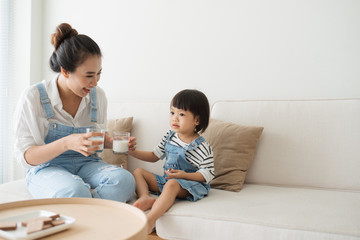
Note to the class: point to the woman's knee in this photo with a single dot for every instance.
(126, 178)
(117, 185)
(127, 185)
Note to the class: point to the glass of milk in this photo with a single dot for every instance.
(121, 142)
(97, 138)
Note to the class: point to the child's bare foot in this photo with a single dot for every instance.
(144, 203)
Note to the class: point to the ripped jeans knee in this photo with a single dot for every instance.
(115, 183)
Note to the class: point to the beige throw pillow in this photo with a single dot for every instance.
(234, 149)
(115, 125)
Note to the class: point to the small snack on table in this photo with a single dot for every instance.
(8, 226)
(41, 223)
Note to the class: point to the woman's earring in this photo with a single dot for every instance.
(64, 73)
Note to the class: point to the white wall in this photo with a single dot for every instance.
(230, 49)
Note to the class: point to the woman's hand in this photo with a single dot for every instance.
(81, 144)
(40, 154)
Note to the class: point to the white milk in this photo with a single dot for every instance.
(121, 146)
(98, 138)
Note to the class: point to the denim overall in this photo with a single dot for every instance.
(175, 159)
(71, 174)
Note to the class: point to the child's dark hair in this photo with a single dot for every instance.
(71, 48)
(197, 103)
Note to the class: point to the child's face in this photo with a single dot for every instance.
(183, 122)
(85, 77)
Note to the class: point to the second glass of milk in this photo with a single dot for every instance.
(121, 142)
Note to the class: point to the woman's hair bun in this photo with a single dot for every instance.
(63, 31)
(71, 49)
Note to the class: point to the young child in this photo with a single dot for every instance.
(189, 165)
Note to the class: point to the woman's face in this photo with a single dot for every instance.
(86, 76)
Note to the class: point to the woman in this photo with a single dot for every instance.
(50, 126)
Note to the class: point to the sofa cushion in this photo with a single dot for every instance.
(234, 148)
(260, 212)
(14, 191)
(115, 125)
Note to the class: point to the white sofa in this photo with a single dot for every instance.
(304, 182)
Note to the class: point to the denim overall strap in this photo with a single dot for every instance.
(170, 135)
(195, 143)
(45, 101)
(93, 104)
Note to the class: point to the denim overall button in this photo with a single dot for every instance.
(54, 125)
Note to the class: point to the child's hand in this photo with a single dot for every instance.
(172, 173)
(132, 144)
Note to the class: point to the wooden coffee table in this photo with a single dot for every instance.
(94, 218)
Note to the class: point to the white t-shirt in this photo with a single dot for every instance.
(200, 157)
(30, 122)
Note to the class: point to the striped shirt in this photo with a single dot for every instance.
(201, 157)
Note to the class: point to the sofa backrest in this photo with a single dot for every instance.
(305, 143)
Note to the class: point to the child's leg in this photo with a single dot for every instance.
(144, 181)
(171, 190)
